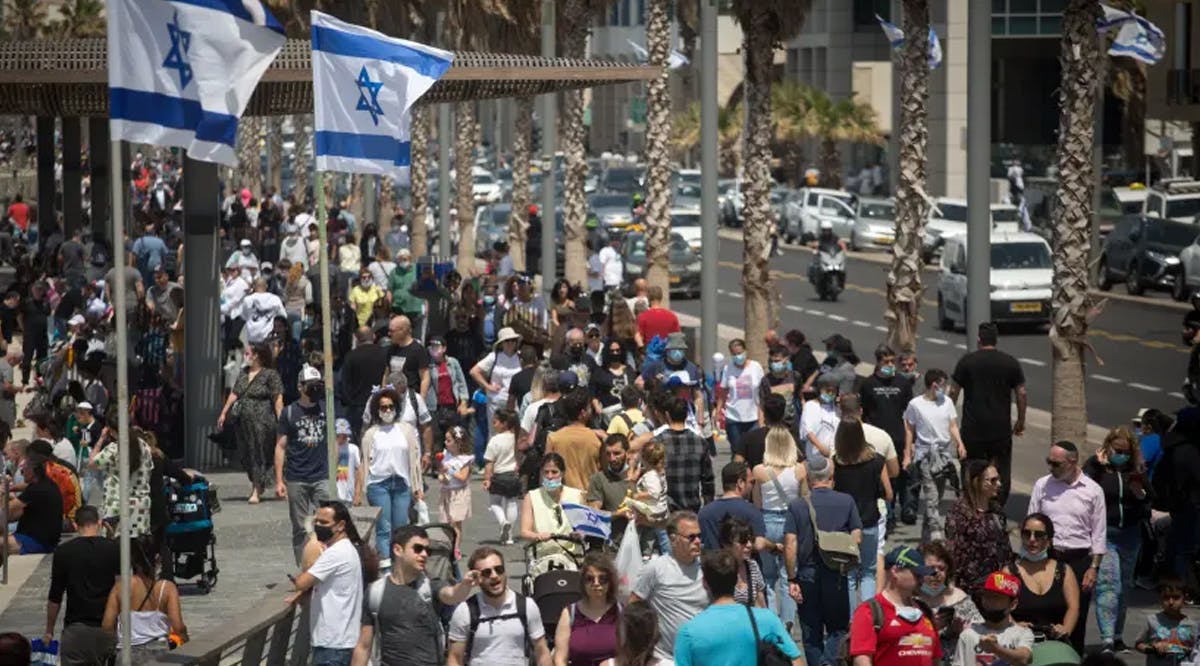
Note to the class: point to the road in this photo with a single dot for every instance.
(1138, 362)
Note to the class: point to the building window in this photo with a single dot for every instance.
(1020, 18)
(641, 12)
(865, 11)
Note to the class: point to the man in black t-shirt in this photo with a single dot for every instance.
(884, 397)
(360, 372)
(753, 444)
(37, 510)
(302, 456)
(84, 569)
(412, 357)
(989, 379)
(522, 382)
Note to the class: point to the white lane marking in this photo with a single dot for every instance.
(1032, 361)
(735, 294)
(859, 322)
(1176, 394)
(836, 317)
(819, 313)
(1144, 387)
(881, 329)
(937, 341)
(1106, 378)
(959, 345)
(794, 308)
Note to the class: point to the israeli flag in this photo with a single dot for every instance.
(588, 521)
(364, 84)
(1136, 37)
(180, 72)
(675, 59)
(895, 37)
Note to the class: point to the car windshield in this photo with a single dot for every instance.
(610, 201)
(1183, 207)
(685, 220)
(500, 216)
(1131, 207)
(777, 195)
(951, 212)
(1005, 215)
(1020, 255)
(624, 180)
(678, 246)
(688, 190)
(689, 179)
(1172, 234)
(877, 211)
(484, 179)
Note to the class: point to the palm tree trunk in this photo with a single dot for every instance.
(464, 158)
(387, 201)
(518, 224)
(300, 162)
(247, 151)
(658, 135)
(688, 13)
(358, 190)
(275, 151)
(831, 164)
(576, 17)
(904, 278)
(1072, 220)
(757, 283)
(418, 175)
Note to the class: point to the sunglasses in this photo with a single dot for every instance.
(558, 514)
(419, 548)
(387, 408)
(1033, 534)
(695, 536)
(487, 573)
(1055, 463)
(597, 580)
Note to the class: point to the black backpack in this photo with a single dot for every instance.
(476, 620)
(548, 419)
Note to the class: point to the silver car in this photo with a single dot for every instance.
(874, 224)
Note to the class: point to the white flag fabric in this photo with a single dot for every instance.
(675, 59)
(895, 37)
(181, 72)
(1136, 37)
(588, 521)
(364, 84)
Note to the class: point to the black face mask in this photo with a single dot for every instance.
(993, 616)
(311, 391)
(323, 533)
(613, 358)
(576, 351)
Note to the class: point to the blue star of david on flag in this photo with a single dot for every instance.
(368, 87)
(181, 41)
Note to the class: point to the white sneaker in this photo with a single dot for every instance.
(506, 534)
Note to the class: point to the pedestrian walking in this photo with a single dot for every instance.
(932, 445)
(302, 456)
(673, 584)
(890, 628)
(514, 632)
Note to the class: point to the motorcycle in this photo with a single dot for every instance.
(828, 274)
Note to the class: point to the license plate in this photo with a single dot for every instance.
(675, 279)
(885, 240)
(1025, 307)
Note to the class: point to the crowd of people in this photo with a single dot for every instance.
(454, 381)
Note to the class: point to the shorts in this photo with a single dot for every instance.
(30, 546)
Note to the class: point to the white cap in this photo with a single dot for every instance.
(245, 242)
(76, 320)
(84, 406)
(310, 374)
(341, 427)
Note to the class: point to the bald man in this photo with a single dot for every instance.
(410, 355)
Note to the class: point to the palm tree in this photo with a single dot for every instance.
(789, 107)
(688, 14)
(729, 137)
(418, 178)
(685, 131)
(832, 122)
(1072, 219)
(764, 23)
(275, 151)
(904, 277)
(24, 19)
(658, 134)
(685, 135)
(80, 18)
(249, 172)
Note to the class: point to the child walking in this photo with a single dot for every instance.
(349, 459)
(1169, 635)
(456, 482)
(500, 477)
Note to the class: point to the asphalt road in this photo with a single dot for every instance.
(1139, 360)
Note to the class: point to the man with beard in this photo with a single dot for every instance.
(735, 487)
(301, 456)
(405, 606)
(514, 624)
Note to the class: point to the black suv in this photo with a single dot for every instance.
(1143, 252)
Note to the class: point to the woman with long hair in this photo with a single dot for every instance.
(381, 267)
(861, 473)
(609, 379)
(586, 633)
(1049, 599)
(256, 403)
(156, 615)
(953, 609)
(1117, 467)
(562, 303)
(636, 637)
(622, 326)
(976, 527)
(105, 459)
(778, 480)
(297, 293)
(392, 473)
(737, 536)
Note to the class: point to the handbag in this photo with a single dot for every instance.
(767, 653)
(506, 484)
(838, 549)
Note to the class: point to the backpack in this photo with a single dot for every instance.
(843, 656)
(476, 620)
(548, 419)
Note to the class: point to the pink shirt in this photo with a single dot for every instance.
(1076, 509)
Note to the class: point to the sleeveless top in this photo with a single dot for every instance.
(1041, 610)
(593, 641)
(148, 626)
(549, 517)
(771, 501)
(293, 296)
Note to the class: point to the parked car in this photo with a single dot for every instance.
(948, 217)
(1020, 276)
(731, 199)
(684, 263)
(807, 207)
(1143, 252)
(1174, 199)
(874, 224)
(491, 225)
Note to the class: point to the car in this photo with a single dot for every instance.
(685, 196)
(807, 207)
(730, 200)
(491, 225)
(486, 189)
(684, 266)
(615, 211)
(1116, 202)
(1143, 252)
(948, 217)
(686, 223)
(874, 224)
(1174, 199)
(622, 180)
(1021, 272)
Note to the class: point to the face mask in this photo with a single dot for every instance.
(613, 358)
(489, 300)
(387, 417)
(366, 282)
(909, 374)
(939, 394)
(311, 392)
(909, 613)
(993, 615)
(828, 398)
(437, 355)
(887, 371)
(1033, 557)
(932, 589)
(323, 533)
(778, 366)
(576, 351)
(739, 359)
(675, 356)
(551, 484)
(403, 265)
(1118, 459)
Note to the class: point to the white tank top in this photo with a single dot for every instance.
(147, 626)
(771, 500)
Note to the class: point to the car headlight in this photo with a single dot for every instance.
(1165, 259)
(694, 267)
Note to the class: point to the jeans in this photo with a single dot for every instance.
(735, 429)
(295, 325)
(861, 581)
(393, 496)
(323, 656)
(824, 615)
(1115, 580)
(932, 486)
(303, 499)
(481, 433)
(664, 543)
(778, 599)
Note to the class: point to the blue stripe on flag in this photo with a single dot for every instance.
(362, 146)
(337, 42)
(172, 112)
(592, 531)
(236, 8)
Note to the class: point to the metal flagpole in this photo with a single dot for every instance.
(444, 131)
(549, 141)
(979, 149)
(326, 332)
(709, 242)
(118, 244)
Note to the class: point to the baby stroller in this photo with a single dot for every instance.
(552, 579)
(189, 533)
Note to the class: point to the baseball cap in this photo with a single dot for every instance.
(266, 267)
(676, 341)
(567, 381)
(245, 242)
(1002, 583)
(84, 406)
(404, 252)
(907, 558)
(435, 341)
(341, 427)
(310, 374)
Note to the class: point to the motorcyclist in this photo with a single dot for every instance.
(827, 241)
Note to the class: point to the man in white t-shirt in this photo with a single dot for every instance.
(612, 267)
(933, 445)
(336, 579)
(819, 418)
(673, 584)
(497, 626)
(260, 310)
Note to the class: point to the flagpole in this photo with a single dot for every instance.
(118, 288)
(326, 332)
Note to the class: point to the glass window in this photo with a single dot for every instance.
(1022, 25)
(877, 211)
(1050, 25)
(1020, 255)
(1183, 208)
(1173, 234)
(1006, 215)
(951, 212)
(641, 12)
(999, 25)
(865, 11)
(1022, 6)
(1049, 6)
(999, 6)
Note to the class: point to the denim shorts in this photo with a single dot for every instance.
(29, 545)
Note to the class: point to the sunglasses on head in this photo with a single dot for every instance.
(487, 573)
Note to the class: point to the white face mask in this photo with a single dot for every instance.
(387, 417)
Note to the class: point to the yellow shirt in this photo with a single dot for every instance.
(363, 301)
(618, 425)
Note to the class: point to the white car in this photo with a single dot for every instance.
(686, 223)
(806, 208)
(1020, 277)
(948, 217)
(1173, 198)
(486, 188)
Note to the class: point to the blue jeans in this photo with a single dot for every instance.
(663, 541)
(1182, 539)
(861, 581)
(778, 599)
(1115, 580)
(735, 429)
(323, 656)
(393, 496)
(481, 433)
(824, 615)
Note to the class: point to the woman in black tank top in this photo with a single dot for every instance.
(1049, 598)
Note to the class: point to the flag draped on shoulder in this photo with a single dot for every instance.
(1136, 37)
(364, 84)
(895, 37)
(181, 72)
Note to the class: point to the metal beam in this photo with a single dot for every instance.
(72, 174)
(202, 354)
(709, 241)
(443, 143)
(46, 187)
(979, 158)
(370, 203)
(549, 144)
(101, 171)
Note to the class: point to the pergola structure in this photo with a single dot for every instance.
(67, 79)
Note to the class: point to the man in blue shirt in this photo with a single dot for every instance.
(301, 456)
(150, 251)
(724, 633)
(735, 486)
(820, 591)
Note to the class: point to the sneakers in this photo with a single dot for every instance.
(1120, 646)
(506, 534)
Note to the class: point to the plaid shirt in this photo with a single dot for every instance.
(689, 469)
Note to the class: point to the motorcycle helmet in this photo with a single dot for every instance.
(637, 197)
